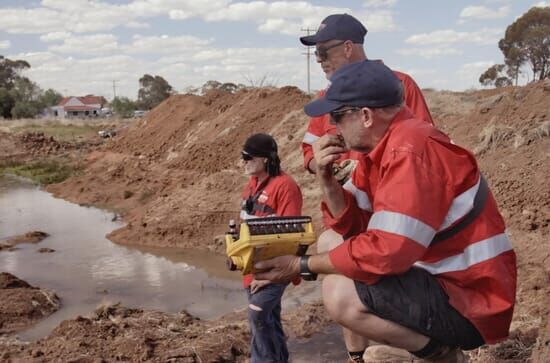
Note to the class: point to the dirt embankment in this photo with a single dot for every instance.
(22, 304)
(175, 176)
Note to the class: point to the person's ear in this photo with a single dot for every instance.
(348, 48)
(367, 113)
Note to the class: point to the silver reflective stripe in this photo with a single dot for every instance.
(403, 225)
(478, 252)
(461, 206)
(244, 216)
(360, 196)
(309, 138)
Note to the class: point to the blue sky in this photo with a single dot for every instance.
(80, 46)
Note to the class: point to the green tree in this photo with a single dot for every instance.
(493, 76)
(26, 109)
(152, 91)
(10, 73)
(123, 106)
(527, 40)
(51, 97)
(6, 103)
(28, 98)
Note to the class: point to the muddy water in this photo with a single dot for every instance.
(86, 269)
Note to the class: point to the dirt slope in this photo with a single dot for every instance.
(175, 177)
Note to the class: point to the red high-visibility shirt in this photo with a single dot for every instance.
(412, 185)
(280, 197)
(319, 126)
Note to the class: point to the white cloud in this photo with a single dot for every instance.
(87, 44)
(418, 72)
(54, 36)
(380, 3)
(78, 16)
(483, 12)
(165, 44)
(542, 4)
(29, 21)
(469, 73)
(376, 21)
(483, 36)
(137, 25)
(5, 44)
(429, 53)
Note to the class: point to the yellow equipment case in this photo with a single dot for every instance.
(264, 238)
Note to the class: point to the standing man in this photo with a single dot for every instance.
(269, 192)
(339, 42)
(426, 265)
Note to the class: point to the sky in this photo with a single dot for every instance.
(100, 47)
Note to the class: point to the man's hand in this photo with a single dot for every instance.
(278, 269)
(326, 151)
(342, 171)
(256, 285)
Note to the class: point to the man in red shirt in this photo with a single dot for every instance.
(339, 42)
(426, 265)
(269, 192)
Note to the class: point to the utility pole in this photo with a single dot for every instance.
(114, 88)
(308, 55)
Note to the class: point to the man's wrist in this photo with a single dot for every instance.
(305, 272)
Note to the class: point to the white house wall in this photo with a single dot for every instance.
(74, 102)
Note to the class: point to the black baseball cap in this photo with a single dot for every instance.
(360, 84)
(337, 26)
(260, 145)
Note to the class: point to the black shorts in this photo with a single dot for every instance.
(416, 300)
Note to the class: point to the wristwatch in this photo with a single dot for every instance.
(305, 272)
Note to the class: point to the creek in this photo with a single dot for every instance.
(87, 270)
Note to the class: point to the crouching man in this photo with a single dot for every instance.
(425, 265)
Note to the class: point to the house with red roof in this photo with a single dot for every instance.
(81, 107)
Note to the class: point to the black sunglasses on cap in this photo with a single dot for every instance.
(322, 52)
(245, 156)
(336, 115)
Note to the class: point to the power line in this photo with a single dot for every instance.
(308, 55)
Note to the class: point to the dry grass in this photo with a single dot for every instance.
(537, 133)
(63, 129)
(492, 136)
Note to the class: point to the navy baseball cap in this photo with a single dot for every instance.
(360, 84)
(337, 27)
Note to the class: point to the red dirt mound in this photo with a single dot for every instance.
(22, 304)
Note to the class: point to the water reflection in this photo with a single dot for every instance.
(87, 269)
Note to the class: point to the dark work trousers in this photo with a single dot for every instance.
(268, 338)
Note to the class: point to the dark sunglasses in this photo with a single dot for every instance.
(246, 157)
(322, 52)
(336, 115)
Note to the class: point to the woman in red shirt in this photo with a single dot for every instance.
(269, 192)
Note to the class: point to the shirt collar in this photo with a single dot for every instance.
(376, 154)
